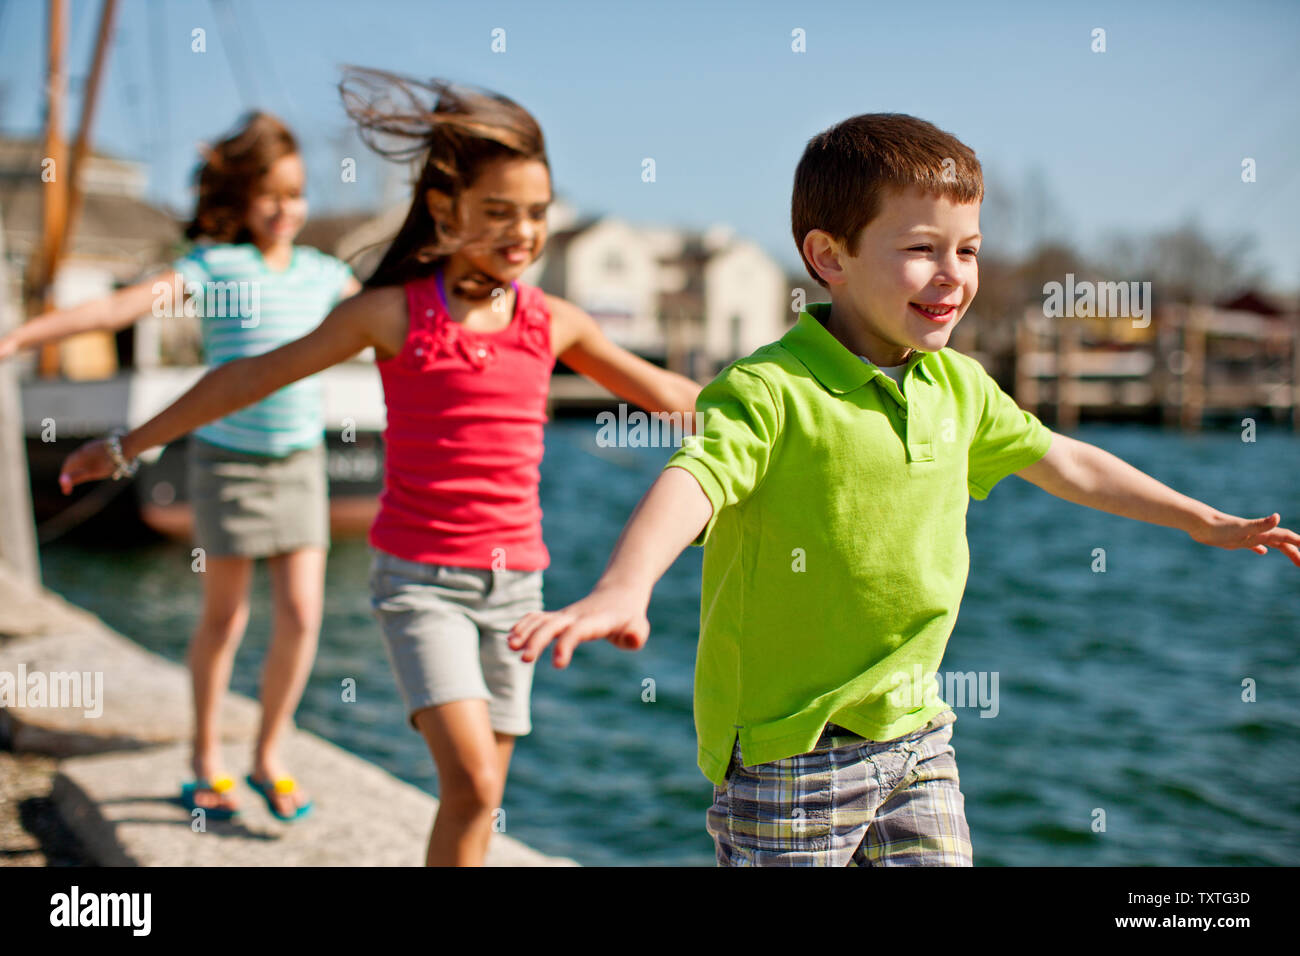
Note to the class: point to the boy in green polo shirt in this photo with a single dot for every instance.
(830, 497)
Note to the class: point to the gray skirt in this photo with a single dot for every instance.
(253, 506)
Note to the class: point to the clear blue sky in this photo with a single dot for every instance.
(1140, 138)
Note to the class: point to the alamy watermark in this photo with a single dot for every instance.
(84, 689)
(958, 688)
(638, 429)
(213, 299)
(129, 910)
(1098, 300)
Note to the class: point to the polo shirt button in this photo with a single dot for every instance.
(429, 312)
(482, 352)
(419, 351)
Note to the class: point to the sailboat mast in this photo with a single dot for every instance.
(62, 195)
(54, 173)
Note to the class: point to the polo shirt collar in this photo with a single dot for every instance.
(838, 369)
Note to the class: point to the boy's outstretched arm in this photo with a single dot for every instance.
(1087, 475)
(668, 518)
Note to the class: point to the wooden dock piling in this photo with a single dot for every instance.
(1197, 361)
(17, 527)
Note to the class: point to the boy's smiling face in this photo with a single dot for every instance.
(917, 254)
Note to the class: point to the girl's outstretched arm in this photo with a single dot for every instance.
(110, 313)
(580, 344)
(348, 329)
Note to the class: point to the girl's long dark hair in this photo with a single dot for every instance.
(457, 130)
(229, 173)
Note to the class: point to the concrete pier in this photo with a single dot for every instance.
(120, 772)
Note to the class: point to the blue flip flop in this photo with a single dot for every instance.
(285, 785)
(218, 785)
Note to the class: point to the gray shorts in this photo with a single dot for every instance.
(445, 633)
(253, 506)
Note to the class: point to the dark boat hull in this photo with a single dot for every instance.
(153, 504)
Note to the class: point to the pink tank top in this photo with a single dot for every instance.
(463, 440)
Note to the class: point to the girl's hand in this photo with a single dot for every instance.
(90, 462)
(615, 614)
(8, 346)
(1257, 534)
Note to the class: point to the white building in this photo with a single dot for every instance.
(695, 300)
(608, 270)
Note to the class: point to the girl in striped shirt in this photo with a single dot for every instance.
(256, 477)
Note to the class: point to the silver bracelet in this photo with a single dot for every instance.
(121, 467)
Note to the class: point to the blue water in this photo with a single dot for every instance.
(1118, 691)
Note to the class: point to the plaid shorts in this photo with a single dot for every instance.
(848, 802)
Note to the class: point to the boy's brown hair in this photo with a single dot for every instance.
(845, 170)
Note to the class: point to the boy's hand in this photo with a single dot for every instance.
(90, 462)
(614, 613)
(1258, 534)
(8, 346)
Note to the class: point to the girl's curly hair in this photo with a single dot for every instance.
(229, 173)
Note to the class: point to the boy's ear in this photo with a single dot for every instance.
(823, 250)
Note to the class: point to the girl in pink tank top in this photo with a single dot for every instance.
(464, 436)
(465, 352)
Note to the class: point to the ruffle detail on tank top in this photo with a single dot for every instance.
(421, 350)
(535, 324)
(446, 339)
(455, 340)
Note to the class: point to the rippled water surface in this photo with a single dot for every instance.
(1118, 691)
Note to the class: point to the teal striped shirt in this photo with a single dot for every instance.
(247, 309)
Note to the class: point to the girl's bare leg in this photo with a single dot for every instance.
(211, 657)
(298, 594)
(472, 763)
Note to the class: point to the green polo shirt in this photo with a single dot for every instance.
(835, 558)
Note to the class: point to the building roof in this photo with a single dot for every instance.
(115, 224)
(1252, 300)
